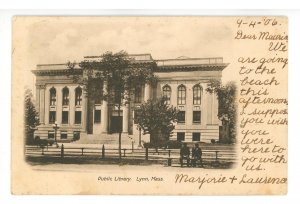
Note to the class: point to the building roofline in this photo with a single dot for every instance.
(53, 72)
(38, 65)
(98, 56)
(163, 65)
(192, 67)
(192, 58)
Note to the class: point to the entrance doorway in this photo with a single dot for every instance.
(116, 124)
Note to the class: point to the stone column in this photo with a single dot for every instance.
(204, 104)
(37, 97)
(188, 104)
(104, 110)
(47, 104)
(147, 92)
(84, 110)
(72, 105)
(59, 105)
(125, 118)
(41, 103)
(125, 113)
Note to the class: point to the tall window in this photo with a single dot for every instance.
(181, 95)
(52, 96)
(52, 117)
(196, 116)
(78, 96)
(138, 94)
(181, 117)
(65, 101)
(77, 117)
(65, 117)
(97, 116)
(197, 92)
(167, 93)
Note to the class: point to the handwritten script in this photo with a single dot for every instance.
(262, 96)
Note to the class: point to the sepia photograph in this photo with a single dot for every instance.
(120, 108)
(196, 102)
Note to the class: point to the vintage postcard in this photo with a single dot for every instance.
(178, 105)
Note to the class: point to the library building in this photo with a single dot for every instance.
(67, 115)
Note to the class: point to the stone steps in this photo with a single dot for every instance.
(104, 139)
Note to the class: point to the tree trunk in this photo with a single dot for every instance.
(154, 138)
(226, 133)
(120, 133)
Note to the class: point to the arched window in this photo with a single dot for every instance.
(138, 94)
(65, 101)
(197, 92)
(52, 96)
(181, 95)
(78, 96)
(167, 93)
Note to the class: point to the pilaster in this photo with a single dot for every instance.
(147, 92)
(104, 110)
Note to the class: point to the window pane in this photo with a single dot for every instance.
(78, 96)
(65, 117)
(52, 117)
(167, 94)
(181, 95)
(180, 136)
(196, 136)
(52, 96)
(97, 116)
(76, 135)
(196, 116)
(50, 135)
(63, 135)
(197, 95)
(77, 117)
(181, 117)
(138, 95)
(65, 96)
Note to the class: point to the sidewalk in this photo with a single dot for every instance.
(86, 161)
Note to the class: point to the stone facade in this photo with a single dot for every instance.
(62, 102)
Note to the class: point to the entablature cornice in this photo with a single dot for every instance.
(41, 86)
(57, 72)
(200, 67)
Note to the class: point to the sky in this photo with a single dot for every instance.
(47, 40)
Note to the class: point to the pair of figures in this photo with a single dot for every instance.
(196, 155)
